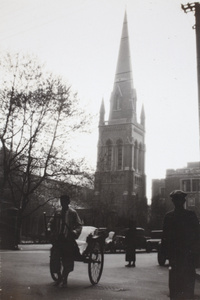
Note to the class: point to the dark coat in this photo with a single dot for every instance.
(72, 224)
(181, 239)
(130, 241)
(181, 235)
(65, 228)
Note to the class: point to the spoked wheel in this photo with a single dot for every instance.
(95, 265)
(55, 265)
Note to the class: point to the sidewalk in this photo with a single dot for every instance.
(31, 247)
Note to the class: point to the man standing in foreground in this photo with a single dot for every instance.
(181, 239)
(65, 227)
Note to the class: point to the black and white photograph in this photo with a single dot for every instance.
(99, 150)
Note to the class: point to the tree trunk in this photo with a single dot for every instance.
(18, 229)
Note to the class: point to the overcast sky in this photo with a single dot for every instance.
(79, 40)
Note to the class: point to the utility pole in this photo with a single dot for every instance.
(195, 7)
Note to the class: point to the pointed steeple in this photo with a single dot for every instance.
(123, 97)
(102, 113)
(124, 67)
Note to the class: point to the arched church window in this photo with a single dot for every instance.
(119, 154)
(109, 154)
(140, 158)
(135, 155)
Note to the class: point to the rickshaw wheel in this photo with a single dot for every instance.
(96, 261)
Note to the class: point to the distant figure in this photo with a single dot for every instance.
(130, 241)
(65, 228)
(181, 239)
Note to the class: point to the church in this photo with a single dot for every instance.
(120, 180)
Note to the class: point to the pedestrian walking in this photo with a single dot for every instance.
(130, 241)
(181, 240)
(65, 227)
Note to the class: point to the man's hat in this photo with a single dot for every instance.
(178, 194)
(64, 198)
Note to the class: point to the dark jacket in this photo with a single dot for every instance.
(72, 225)
(181, 235)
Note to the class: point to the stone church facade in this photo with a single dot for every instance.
(120, 180)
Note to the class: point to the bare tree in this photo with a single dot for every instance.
(39, 114)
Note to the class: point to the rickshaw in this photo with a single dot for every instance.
(90, 250)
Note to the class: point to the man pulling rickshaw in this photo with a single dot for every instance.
(65, 228)
(73, 242)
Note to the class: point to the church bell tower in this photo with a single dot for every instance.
(120, 181)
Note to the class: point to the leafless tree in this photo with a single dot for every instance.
(39, 117)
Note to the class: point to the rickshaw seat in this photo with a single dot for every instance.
(82, 240)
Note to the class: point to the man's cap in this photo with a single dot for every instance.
(177, 193)
(65, 198)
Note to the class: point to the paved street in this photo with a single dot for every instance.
(25, 276)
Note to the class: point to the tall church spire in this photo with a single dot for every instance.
(120, 170)
(123, 97)
(124, 68)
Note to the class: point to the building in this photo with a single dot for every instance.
(120, 180)
(186, 179)
(158, 188)
(158, 207)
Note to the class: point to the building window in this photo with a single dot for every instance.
(140, 158)
(109, 155)
(162, 192)
(195, 185)
(191, 202)
(186, 185)
(135, 155)
(190, 185)
(119, 155)
(138, 180)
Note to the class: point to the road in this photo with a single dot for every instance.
(25, 276)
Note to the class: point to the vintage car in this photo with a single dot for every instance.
(141, 238)
(153, 242)
(116, 242)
